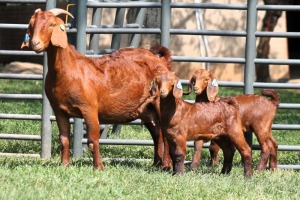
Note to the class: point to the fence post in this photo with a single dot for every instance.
(119, 21)
(250, 54)
(96, 20)
(81, 47)
(46, 134)
(165, 23)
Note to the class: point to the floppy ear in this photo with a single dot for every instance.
(212, 89)
(59, 35)
(190, 86)
(153, 88)
(177, 89)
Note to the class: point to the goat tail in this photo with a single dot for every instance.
(273, 94)
(231, 101)
(162, 52)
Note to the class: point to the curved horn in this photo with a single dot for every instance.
(58, 11)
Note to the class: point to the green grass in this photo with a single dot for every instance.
(132, 176)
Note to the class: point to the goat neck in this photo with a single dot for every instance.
(61, 59)
(202, 97)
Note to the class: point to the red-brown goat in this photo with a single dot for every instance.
(257, 114)
(182, 121)
(110, 89)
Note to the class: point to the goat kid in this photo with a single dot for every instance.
(182, 121)
(110, 89)
(256, 112)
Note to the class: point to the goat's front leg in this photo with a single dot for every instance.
(177, 152)
(197, 154)
(64, 136)
(93, 132)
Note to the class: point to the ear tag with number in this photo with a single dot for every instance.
(26, 39)
(62, 27)
(214, 83)
(179, 85)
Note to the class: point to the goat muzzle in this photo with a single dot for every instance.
(163, 93)
(37, 46)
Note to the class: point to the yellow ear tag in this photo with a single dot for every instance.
(62, 27)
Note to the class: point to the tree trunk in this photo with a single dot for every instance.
(263, 49)
(151, 20)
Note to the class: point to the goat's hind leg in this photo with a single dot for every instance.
(273, 153)
(157, 137)
(228, 151)
(264, 156)
(241, 145)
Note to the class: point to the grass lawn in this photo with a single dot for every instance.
(133, 177)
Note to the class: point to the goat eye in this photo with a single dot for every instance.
(52, 25)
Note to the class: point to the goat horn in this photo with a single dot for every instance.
(58, 11)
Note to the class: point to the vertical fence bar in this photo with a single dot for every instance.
(96, 20)
(165, 23)
(119, 20)
(140, 17)
(46, 133)
(250, 54)
(81, 47)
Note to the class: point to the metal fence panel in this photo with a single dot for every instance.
(165, 32)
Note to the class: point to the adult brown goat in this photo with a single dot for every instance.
(182, 121)
(256, 112)
(110, 89)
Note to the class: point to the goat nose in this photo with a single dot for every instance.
(35, 42)
(196, 88)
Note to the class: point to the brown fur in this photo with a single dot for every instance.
(110, 89)
(257, 114)
(182, 121)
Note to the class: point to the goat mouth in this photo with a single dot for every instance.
(163, 95)
(197, 91)
(38, 50)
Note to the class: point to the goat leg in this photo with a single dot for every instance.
(241, 145)
(177, 152)
(273, 154)
(167, 162)
(197, 154)
(157, 137)
(228, 151)
(213, 150)
(64, 136)
(93, 132)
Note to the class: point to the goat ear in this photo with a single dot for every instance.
(212, 89)
(153, 88)
(59, 36)
(177, 89)
(191, 85)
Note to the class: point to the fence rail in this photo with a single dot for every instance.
(166, 6)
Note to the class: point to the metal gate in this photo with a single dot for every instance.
(165, 31)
